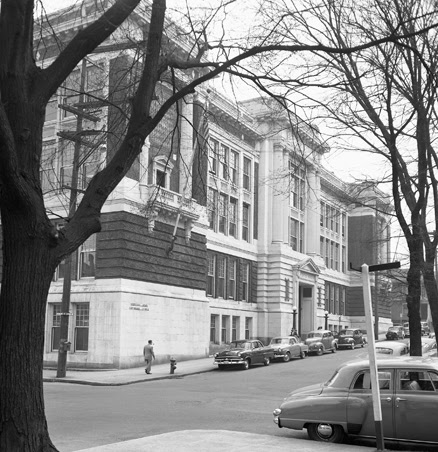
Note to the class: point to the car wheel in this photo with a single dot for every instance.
(361, 345)
(302, 354)
(334, 349)
(320, 351)
(286, 357)
(329, 433)
(246, 364)
(266, 361)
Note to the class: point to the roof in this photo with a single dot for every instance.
(398, 362)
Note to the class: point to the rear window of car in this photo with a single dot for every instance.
(363, 380)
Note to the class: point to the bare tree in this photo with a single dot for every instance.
(32, 247)
(380, 100)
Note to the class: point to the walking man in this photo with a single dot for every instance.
(148, 353)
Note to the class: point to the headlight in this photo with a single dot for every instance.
(238, 353)
(276, 412)
(216, 355)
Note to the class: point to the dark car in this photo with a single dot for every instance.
(350, 338)
(343, 406)
(244, 353)
(320, 341)
(395, 332)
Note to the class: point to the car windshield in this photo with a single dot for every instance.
(314, 335)
(386, 351)
(280, 340)
(242, 345)
(347, 332)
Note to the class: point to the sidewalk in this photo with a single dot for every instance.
(223, 441)
(116, 377)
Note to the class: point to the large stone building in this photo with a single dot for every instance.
(226, 227)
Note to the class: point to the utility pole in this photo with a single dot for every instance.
(71, 260)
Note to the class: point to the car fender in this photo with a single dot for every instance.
(314, 409)
(357, 409)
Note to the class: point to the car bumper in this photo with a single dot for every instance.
(227, 362)
(345, 344)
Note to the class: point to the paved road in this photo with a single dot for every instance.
(81, 417)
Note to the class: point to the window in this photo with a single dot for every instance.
(160, 178)
(234, 166)
(298, 185)
(88, 257)
(223, 159)
(343, 224)
(344, 259)
(296, 235)
(232, 217)
(162, 168)
(327, 252)
(213, 328)
(232, 265)
(337, 256)
(220, 277)
(213, 154)
(245, 282)
(245, 222)
(56, 327)
(211, 280)
(52, 109)
(223, 210)
(246, 173)
(248, 327)
(82, 326)
(235, 328)
(321, 215)
(212, 208)
(337, 214)
(225, 328)
(363, 381)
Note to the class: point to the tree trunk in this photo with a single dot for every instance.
(26, 251)
(414, 296)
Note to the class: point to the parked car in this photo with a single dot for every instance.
(343, 405)
(287, 347)
(364, 336)
(244, 353)
(428, 347)
(425, 330)
(395, 332)
(350, 338)
(320, 341)
(393, 348)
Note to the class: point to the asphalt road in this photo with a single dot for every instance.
(86, 416)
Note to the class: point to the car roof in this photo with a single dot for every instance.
(320, 331)
(391, 344)
(399, 362)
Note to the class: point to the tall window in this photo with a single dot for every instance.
(232, 266)
(56, 326)
(245, 282)
(213, 328)
(246, 173)
(225, 329)
(223, 210)
(248, 327)
(327, 252)
(337, 256)
(212, 208)
(232, 217)
(211, 280)
(321, 214)
(245, 222)
(344, 258)
(235, 328)
(81, 326)
(220, 277)
(213, 155)
(343, 224)
(88, 258)
(234, 166)
(224, 156)
(298, 185)
(296, 235)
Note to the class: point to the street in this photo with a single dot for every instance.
(81, 416)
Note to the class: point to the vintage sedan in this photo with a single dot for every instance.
(393, 348)
(342, 406)
(395, 332)
(350, 338)
(320, 341)
(244, 353)
(287, 347)
(428, 347)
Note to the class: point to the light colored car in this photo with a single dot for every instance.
(393, 348)
(320, 341)
(342, 406)
(428, 347)
(395, 332)
(287, 347)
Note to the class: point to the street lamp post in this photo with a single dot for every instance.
(294, 321)
(326, 319)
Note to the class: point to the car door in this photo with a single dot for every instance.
(357, 336)
(257, 352)
(360, 414)
(415, 410)
(294, 347)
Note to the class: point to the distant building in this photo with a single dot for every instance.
(226, 227)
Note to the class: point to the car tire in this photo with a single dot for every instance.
(334, 349)
(362, 344)
(328, 433)
(246, 364)
(302, 354)
(320, 351)
(266, 361)
(286, 357)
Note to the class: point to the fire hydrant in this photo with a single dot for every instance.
(172, 365)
